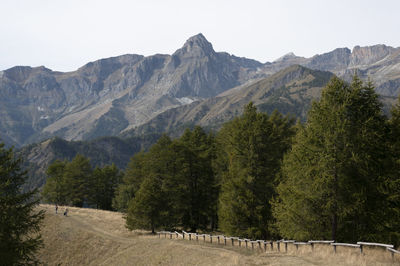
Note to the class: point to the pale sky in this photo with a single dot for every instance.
(66, 34)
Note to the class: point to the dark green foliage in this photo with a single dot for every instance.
(253, 146)
(193, 186)
(131, 181)
(183, 170)
(146, 210)
(55, 187)
(331, 179)
(19, 220)
(77, 175)
(392, 185)
(103, 183)
(75, 183)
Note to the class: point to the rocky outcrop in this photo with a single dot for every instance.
(364, 56)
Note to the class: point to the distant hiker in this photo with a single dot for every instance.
(66, 212)
(56, 208)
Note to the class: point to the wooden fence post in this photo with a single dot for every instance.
(190, 236)
(272, 245)
(225, 240)
(252, 245)
(204, 238)
(210, 239)
(232, 241)
(240, 242)
(285, 247)
(170, 235)
(218, 239)
(245, 241)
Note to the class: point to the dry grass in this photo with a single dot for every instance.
(93, 237)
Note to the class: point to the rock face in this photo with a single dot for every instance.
(114, 95)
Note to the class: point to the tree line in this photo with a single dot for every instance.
(267, 176)
(75, 183)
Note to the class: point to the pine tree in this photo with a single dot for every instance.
(331, 178)
(254, 145)
(19, 220)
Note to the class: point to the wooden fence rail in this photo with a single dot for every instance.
(262, 244)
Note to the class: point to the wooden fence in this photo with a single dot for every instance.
(263, 245)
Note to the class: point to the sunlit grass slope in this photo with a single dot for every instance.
(93, 237)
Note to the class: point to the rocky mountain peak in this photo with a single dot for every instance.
(287, 56)
(197, 46)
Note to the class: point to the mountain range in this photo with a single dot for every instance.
(132, 95)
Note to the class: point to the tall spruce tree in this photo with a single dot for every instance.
(19, 219)
(331, 177)
(254, 145)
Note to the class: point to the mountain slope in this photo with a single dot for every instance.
(114, 95)
(290, 91)
(101, 152)
(111, 95)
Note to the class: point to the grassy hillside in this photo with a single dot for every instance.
(94, 237)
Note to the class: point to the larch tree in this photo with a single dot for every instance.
(332, 175)
(253, 145)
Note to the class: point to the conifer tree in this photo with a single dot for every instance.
(392, 186)
(104, 182)
(151, 206)
(131, 181)
(254, 145)
(193, 184)
(331, 177)
(54, 191)
(19, 219)
(77, 175)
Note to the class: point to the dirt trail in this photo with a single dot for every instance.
(93, 237)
